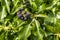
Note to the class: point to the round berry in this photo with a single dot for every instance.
(19, 15)
(25, 19)
(27, 15)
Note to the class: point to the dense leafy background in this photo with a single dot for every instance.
(45, 25)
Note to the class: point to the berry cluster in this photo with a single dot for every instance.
(23, 15)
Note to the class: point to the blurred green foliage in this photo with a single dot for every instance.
(45, 25)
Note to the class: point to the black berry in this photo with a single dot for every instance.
(22, 17)
(25, 19)
(27, 15)
(19, 15)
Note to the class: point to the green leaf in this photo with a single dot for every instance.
(3, 14)
(40, 36)
(41, 15)
(7, 5)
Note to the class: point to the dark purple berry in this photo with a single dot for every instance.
(25, 19)
(27, 15)
(19, 15)
(22, 17)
